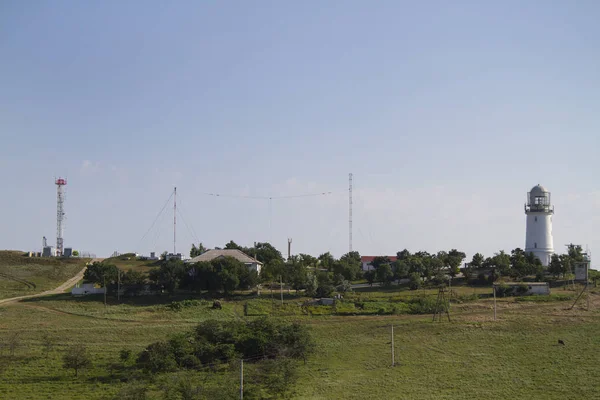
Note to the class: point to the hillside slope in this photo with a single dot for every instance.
(21, 275)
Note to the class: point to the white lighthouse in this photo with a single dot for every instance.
(539, 211)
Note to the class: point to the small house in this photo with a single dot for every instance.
(252, 263)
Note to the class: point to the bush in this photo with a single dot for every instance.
(503, 290)
(522, 290)
(157, 358)
(180, 305)
(132, 391)
(422, 305)
(215, 342)
(414, 281)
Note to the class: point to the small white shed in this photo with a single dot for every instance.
(86, 289)
(532, 287)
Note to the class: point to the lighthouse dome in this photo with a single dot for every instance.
(538, 190)
(539, 197)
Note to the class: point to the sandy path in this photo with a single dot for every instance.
(60, 289)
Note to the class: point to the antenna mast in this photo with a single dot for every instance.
(175, 221)
(60, 214)
(350, 212)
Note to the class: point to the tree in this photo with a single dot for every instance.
(325, 288)
(157, 357)
(307, 260)
(477, 261)
(296, 274)
(134, 278)
(76, 358)
(502, 263)
(349, 265)
(370, 276)
(575, 252)
(196, 251)
(168, 275)
(265, 253)
(379, 260)
(454, 261)
(75, 253)
(384, 273)
(311, 284)
(348, 269)
(523, 264)
(233, 246)
(231, 274)
(565, 262)
(414, 281)
(403, 255)
(326, 261)
(99, 273)
(401, 268)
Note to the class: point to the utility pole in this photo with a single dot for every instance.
(350, 212)
(105, 290)
(119, 286)
(494, 302)
(393, 358)
(242, 379)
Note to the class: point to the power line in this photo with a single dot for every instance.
(190, 226)
(186, 225)
(267, 197)
(155, 219)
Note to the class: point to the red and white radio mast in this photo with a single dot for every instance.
(60, 215)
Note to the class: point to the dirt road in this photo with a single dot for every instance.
(60, 289)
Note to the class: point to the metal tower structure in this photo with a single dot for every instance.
(350, 212)
(175, 221)
(60, 214)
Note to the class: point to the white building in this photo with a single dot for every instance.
(251, 263)
(532, 287)
(86, 289)
(538, 236)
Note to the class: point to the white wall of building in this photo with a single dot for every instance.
(538, 236)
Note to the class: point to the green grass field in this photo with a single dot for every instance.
(472, 356)
(21, 275)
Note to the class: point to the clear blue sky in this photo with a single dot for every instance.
(447, 113)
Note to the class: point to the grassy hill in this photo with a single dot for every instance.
(130, 261)
(21, 275)
(473, 356)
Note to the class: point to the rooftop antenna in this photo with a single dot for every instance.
(350, 212)
(60, 214)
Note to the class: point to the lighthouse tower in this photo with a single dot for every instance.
(539, 211)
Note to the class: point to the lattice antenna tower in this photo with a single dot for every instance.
(350, 212)
(60, 214)
(175, 221)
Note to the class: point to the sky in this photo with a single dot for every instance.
(446, 114)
